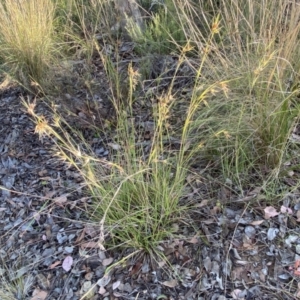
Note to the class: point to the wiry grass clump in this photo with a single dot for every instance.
(27, 39)
(164, 32)
(255, 49)
(78, 22)
(137, 194)
(139, 197)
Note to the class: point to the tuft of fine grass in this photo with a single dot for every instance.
(27, 39)
(139, 199)
(256, 50)
(137, 194)
(164, 30)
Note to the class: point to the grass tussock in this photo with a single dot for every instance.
(163, 33)
(27, 39)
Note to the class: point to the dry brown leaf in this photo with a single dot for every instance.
(136, 268)
(89, 275)
(57, 263)
(73, 204)
(190, 178)
(47, 178)
(161, 263)
(81, 237)
(91, 231)
(84, 199)
(235, 294)
(42, 173)
(37, 216)
(202, 204)
(270, 212)
(209, 221)
(255, 191)
(258, 222)
(215, 210)
(170, 283)
(107, 261)
(298, 216)
(48, 231)
(61, 200)
(102, 290)
(39, 295)
(296, 268)
(50, 194)
(193, 240)
(286, 210)
(90, 245)
(114, 146)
